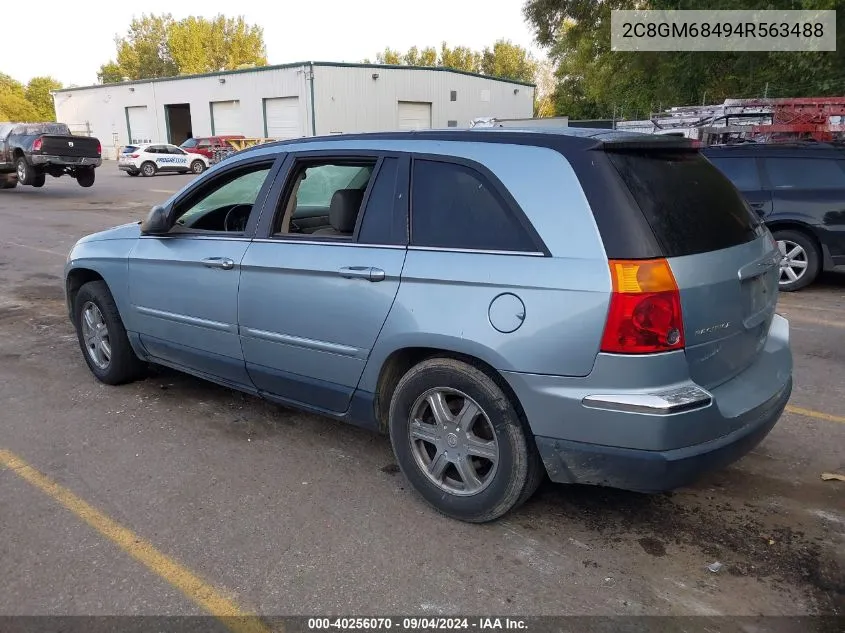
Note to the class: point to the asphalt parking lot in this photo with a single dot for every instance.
(139, 499)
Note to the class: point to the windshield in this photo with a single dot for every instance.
(191, 142)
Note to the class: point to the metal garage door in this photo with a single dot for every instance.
(226, 117)
(281, 118)
(140, 125)
(414, 115)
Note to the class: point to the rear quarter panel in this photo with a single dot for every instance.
(445, 297)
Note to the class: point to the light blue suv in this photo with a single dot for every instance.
(595, 306)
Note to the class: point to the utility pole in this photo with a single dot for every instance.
(704, 98)
(766, 91)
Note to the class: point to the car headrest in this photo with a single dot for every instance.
(344, 208)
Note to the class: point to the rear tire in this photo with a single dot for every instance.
(802, 261)
(85, 176)
(425, 436)
(25, 171)
(8, 182)
(197, 167)
(148, 169)
(116, 363)
(39, 181)
(132, 173)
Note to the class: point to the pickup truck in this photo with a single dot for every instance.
(30, 151)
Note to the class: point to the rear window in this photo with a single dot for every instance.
(689, 204)
(129, 149)
(33, 129)
(741, 171)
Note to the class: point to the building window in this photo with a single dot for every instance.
(452, 124)
(453, 96)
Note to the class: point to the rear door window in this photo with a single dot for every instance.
(742, 172)
(689, 204)
(455, 206)
(801, 173)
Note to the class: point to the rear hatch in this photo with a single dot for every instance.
(724, 260)
(70, 146)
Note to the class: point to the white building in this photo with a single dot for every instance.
(288, 101)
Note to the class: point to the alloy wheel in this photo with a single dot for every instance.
(793, 263)
(453, 441)
(95, 333)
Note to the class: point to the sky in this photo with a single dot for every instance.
(317, 30)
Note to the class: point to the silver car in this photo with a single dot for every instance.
(590, 306)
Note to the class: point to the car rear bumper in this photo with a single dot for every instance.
(642, 424)
(655, 471)
(127, 167)
(65, 161)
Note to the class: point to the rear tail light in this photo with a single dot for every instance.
(36, 145)
(134, 155)
(99, 149)
(645, 309)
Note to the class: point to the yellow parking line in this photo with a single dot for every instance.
(815, 414)
(202, 593)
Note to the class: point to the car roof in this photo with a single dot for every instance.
(560, 139)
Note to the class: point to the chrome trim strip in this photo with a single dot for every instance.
(661, 403)
(474, 250)
(297, 341)
(190, 236)
(282, 240)
(188, 320)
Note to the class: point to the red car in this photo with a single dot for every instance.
(206, 145)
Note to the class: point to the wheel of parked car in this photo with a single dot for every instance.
(460, 442)
(85, 176)
(26, 174)
(102, 336)
(131, 173)
(39, 181)
(801, 260)
(148, 169)
(8, 183)
(198, 167)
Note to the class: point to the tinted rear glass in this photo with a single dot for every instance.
(689, 204)
(129, 149)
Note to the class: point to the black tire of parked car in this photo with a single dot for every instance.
(813, 258)
(124, 366)
(40, 179)
(132, 173)
(148, 169)
(8, 183)
(198, 167)
(26, 172)
(519, 470)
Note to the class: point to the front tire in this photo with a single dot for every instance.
(801, 260)
(102, 337)
(148, 169)
(460, 442)
(26, 173)
(85, 176)
(197, 167)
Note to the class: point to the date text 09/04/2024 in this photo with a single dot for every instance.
(417, 623)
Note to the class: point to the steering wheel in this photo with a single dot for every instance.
(234, 223)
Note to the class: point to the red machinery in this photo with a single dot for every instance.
(801, 117)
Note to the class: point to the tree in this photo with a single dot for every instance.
(159, 46)
(509, 61)
(30, 103)
(593, 81)
(38, 93)
(504, 59)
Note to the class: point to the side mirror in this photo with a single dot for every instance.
(157, 222)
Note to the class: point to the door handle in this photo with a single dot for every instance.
(362, 272)
(218, 262)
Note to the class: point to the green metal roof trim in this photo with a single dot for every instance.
(258, 69)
